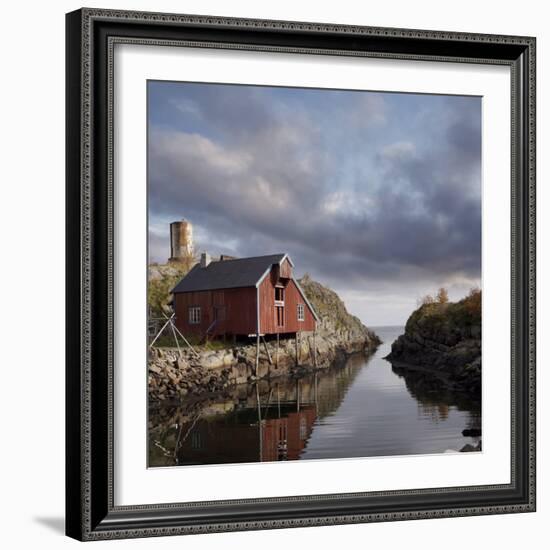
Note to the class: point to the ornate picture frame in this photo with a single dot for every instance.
(91, 512)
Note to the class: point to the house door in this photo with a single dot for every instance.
(219, 313)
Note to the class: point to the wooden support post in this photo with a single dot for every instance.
(257, 353)
(175, 337)
(315, 393)
(267, 351)
(297, 353)
(268, 403)
(159, 333)
(183, 337)
(259, 405)
(277, 353)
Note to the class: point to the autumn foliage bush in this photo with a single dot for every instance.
(466, 311)
(472, 302)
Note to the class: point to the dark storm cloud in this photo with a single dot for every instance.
(267, 170)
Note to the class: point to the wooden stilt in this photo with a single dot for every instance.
(316, 397)
(180, 443)
(159, 333)
(277, 353)
(257, 353)
(297, 352)
(267, 351)
(175, 337)
(182, 336)
(268, 403)
(260, 434)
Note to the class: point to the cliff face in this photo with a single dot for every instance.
(335, 319)
(445, 338)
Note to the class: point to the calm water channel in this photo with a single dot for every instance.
(364, 408)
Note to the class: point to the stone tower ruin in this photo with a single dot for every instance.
(181, 240)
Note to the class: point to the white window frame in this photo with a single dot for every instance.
(195, 315)
(301, 312)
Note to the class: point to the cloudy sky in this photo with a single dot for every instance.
(377, 195)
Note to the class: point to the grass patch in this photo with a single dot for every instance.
(167, 341)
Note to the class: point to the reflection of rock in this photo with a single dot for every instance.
(471, 448)
(288, 408)
(435, 395)
(428, 387)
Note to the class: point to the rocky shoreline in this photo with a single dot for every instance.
(445, 339)
(176, 375)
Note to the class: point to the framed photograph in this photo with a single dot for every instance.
(300, 274)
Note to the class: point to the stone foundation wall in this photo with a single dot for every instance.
(174, 375)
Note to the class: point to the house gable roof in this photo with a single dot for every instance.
(303, 294)
(239, 273)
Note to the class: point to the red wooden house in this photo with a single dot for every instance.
(245, 296)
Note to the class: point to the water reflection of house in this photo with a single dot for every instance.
(226, 441)
(285, 438)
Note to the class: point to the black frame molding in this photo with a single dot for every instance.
(90, 39)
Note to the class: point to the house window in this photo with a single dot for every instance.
(280, 316)
(301, 314)
(279, 294)
(194, 315)
(219, 313)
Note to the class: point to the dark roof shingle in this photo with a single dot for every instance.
(242, 272)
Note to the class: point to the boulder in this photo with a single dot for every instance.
(228, 359)
(213, 361)
(181, 363)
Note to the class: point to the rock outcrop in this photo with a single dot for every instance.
(335, 318)
(444, 338)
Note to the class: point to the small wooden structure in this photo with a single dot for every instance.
(254, 296)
